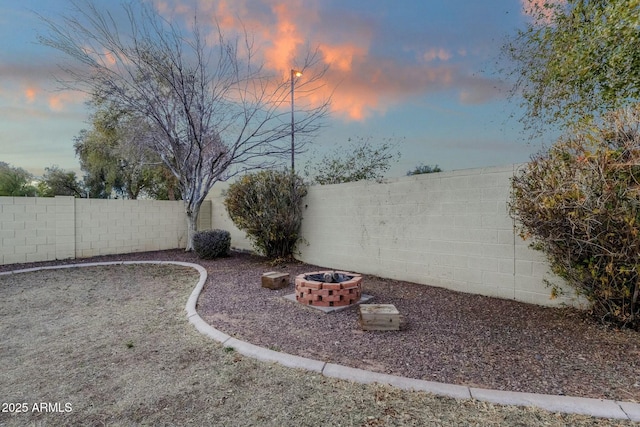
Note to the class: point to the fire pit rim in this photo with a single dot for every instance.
(347, 273)
(350, 289)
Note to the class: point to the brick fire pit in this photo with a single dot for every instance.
(313, 288)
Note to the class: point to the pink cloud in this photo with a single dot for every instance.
(55, 101)
(375, 86)
(285, 39)
(441, 54)
(30, 94)
(540, 11)
(341, 57)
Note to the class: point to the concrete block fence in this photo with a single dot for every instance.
(44, 229)
(447, 229)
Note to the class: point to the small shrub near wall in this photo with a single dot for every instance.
(210, 244)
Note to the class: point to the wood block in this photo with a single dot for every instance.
(274, 280)
(379, 317)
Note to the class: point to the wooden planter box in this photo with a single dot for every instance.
(274, 280)
(379, 317)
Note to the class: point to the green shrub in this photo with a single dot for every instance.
(267, 206)
(424, 169)
(580, 202)
(210, 244)
(361, 160)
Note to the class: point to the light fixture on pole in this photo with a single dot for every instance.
(294, 74)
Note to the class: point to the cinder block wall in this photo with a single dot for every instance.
(124, 226)
(28, 229)
(448, 229)
(42, 229)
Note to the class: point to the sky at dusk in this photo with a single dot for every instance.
(421, 72)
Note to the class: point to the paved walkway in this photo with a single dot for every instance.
(576, 405)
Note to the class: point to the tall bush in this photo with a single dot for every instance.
(580, 203)
(267, 206)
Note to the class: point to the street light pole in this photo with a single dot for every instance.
(294, 74)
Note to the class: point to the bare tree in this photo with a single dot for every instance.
(213, 109)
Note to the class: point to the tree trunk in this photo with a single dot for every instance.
(193, 210)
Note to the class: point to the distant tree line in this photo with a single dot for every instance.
(17, 182)
(117, 165)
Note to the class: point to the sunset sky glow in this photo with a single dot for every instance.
(422, 72)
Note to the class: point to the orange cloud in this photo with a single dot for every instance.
(226, 18)
(30, 94)
(60, 101)
(361, 84)
(285, 29)
(109, 58)
(284, 41)
(375, 86)
(38, 97)
(341, 57)
(56, 103)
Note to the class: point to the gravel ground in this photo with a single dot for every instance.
(447, 336)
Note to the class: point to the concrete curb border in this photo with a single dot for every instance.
(601, 408)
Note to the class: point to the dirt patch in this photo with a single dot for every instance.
(113, 342)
